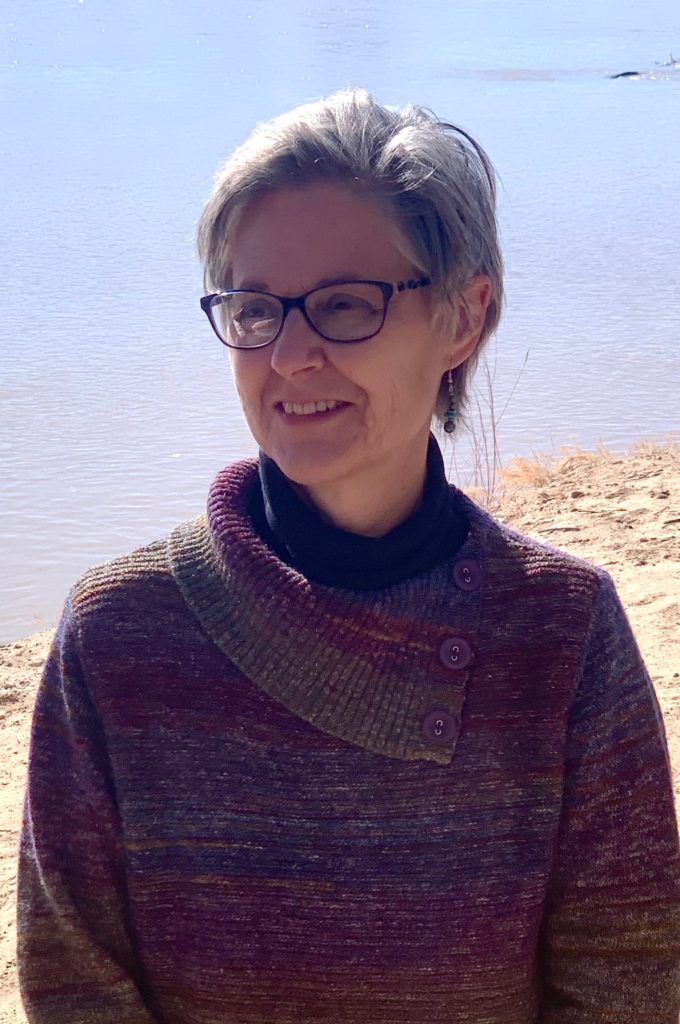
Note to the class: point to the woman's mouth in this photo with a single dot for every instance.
(304, 410)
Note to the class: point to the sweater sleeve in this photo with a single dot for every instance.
(611, 936)
(75, 952)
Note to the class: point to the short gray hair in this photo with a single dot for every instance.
(437, 182)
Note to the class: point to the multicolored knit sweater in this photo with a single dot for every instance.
(257, 800)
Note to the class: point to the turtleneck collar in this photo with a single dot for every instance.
(325, 554)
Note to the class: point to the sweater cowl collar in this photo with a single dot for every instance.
(363, 667)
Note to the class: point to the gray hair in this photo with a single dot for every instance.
(436, 180)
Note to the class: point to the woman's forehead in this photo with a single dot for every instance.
(318, 231)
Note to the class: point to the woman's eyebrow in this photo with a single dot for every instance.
(342, 277)
(253, 286)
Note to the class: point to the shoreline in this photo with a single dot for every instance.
(621, 512)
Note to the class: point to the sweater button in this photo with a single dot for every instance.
(439, 727)
(467, 574)
(455, 653)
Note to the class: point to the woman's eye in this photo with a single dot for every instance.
(343, 302)
(254, 316)
(254, 311)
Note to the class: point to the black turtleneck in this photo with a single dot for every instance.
(323, 553)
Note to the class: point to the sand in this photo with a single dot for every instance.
(620, 512)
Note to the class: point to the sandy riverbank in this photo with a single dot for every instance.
(621, 512)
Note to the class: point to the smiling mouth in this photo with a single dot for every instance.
(311, 408)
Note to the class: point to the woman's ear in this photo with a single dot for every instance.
(474, 303)
(471, 312)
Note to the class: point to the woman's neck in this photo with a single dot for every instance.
(293, 527)
(370, 507)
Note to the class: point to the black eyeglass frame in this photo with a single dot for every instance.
(299, 302)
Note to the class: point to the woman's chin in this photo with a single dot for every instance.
(311, 465)
(310, 460)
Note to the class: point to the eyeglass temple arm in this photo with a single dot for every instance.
(412, 283)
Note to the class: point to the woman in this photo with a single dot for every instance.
(344, 748)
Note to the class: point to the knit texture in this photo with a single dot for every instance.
(235, 813)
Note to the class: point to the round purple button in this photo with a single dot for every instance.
(468, 574)
(455, 653)
(439, 726)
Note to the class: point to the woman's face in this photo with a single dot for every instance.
(288, 243)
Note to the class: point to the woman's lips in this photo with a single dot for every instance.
(316, 415)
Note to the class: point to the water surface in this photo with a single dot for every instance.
(116, 404)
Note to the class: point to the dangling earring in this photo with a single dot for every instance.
(451, 412)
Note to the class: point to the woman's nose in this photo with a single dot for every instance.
(298, 348)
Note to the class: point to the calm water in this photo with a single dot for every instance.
(116, 402)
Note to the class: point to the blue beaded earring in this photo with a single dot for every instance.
(451, 412)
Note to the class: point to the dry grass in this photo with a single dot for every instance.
(543, 468)
(482, 431)
(488, 480)
(645, 447)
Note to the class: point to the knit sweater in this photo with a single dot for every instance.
(253, 799)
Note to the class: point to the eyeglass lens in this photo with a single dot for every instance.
(345, 312)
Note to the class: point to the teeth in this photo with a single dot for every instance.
(309, 407)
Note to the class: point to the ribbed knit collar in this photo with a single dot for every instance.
(363, 667)
(326, 554)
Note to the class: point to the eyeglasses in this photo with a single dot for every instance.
(345, 312)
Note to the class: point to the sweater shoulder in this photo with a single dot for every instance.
(546, 557)
(125, 585)
(520, 560)
(540, 595)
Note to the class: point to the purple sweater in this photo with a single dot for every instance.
(253, 799)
